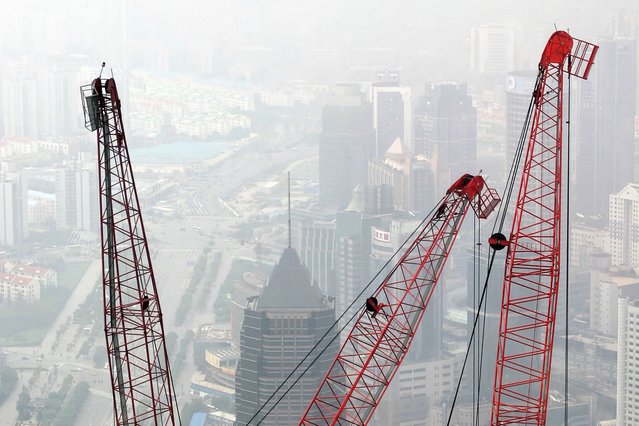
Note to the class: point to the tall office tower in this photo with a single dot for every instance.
(392, 171)
(58, 106)
(14, 226)
(624, 226)
(392, 115)
(628, 363)
(76, 203)
(19, 106)
(422, 195)
(352, 251)
(345, 146)
(492, 49)
(399, 181)
(280, 327)
(446, 126)
(519, 88)
(605, 142)
(315, 232)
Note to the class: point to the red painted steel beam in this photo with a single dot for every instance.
(376, 346)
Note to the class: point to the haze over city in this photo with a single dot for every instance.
(283, 154)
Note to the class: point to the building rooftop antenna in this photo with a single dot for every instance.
(102, 69)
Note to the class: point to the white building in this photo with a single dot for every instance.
(13, 210)
(624, 226)
(584, 241)
(492, 49)
(628, 363)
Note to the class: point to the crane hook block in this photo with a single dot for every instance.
(498, 241)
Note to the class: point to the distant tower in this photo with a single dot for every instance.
(606, 114)
(345, 146)
(19, 103)
(627, 363)
(280, 327)
(519, 88)
(76, 204)
(492, 49)
(447, 125)
(392, 115)
(13, 210)
(624, 226)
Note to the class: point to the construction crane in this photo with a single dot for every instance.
(384, 330)
(531, 278)
(138, 361)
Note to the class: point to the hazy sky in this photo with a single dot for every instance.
(289, 38)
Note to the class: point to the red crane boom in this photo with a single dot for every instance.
(138, 360)
(383, 332)
(531, 278)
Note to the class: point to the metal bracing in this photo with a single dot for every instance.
(377, 344)
(134, 332)
(531, 278)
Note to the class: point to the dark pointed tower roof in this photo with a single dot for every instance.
(290, 286)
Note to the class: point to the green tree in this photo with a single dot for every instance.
(23, 405)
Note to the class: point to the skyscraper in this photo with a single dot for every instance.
(280, 327)
(605, 143)
(346, 144)
(624, 226)
(392, 115)
(13, 210)
(76, 202)
(492, 49)
(519, 88)
(19, 106)
(446, 127)
(628, 363)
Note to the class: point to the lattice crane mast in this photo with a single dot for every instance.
(138, 361)
(531, 278)
(384, 330)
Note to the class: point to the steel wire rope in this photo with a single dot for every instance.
(383, 268)
(567, 248)
(502, 211)
(482, 334)
(475, 282)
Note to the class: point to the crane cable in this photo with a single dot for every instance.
(502, 211)
(299, 365)
(567, 249)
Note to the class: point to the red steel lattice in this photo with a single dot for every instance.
(138, 360)
(531, 280)
(376, 346)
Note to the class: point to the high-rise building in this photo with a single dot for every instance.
(628, 363)
(492, 49)
(352, 252)
(624, 226)
(519, 88)
(19, 105)
(280, 328)
(76, 200)
(345, 146)
(392, 115)
(446, 127)
(315, 232)
(605, 130)
(14, 225)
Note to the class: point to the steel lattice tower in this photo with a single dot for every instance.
(138, 360)
(531, 280)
